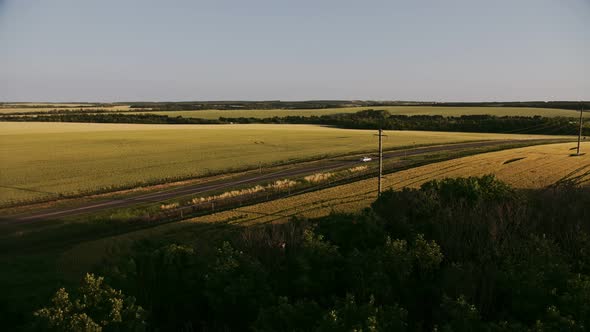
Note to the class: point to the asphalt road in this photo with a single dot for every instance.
(293, 171)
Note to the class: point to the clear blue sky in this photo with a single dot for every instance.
(459, 50)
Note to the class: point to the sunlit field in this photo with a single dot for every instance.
(45, 160)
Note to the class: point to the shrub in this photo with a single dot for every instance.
(96, 307)
(348, 315)
(170, 206)
(455, 255)
(318, 177)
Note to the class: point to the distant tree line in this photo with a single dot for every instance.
(319, 104)
(367, 119)
(375, 119)
(48, 105)
(70, 110)
(233, 105)
(108, 118)
(311, 104)
(568, 105)
(466, 254)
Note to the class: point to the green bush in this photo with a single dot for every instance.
(95, 307)
(467, 254)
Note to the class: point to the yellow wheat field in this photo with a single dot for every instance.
(526, 168)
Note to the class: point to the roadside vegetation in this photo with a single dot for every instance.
(465, 254)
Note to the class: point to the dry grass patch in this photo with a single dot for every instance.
(318, 177)
(229, 194)
(169, 206)
(277, 185)
(358, 169)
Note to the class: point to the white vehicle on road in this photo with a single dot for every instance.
(366, 159)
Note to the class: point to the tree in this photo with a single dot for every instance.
(349, 315)
(97, 307)
(236, 286)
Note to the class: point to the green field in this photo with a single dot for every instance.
(43, 160)
(402, 110)
(26, 108)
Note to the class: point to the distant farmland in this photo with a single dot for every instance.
(44, 160)
(40, 108)
(267, 113)
(401, 110)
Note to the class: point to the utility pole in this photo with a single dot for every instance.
(380, 176)
(580, 132)
(379, 187)
(380, 161)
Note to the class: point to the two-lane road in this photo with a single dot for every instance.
(193, 189)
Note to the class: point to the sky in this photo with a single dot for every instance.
(426, 50)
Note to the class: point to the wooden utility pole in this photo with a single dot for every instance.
(380, 161)
(580, 132)
(380, 176)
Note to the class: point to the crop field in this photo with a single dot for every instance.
(42, 105)
(528, 168)
(27, 108)
(525, 168)
(45, 160)
(402, 110)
